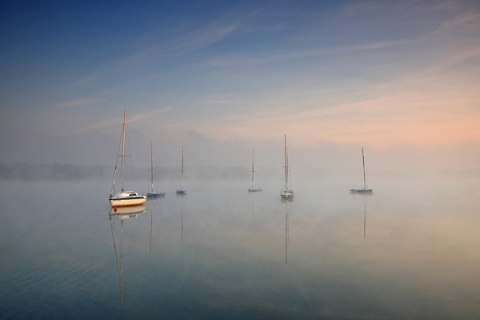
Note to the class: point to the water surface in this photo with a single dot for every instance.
(409, 251)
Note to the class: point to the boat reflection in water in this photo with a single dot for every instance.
(365, 214)
(121, 214)
(288, 203)
(365, 196)
(130, 212)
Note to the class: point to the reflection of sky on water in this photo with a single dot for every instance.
(222, 252)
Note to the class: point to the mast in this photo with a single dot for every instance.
(151, 161)
(287, 169)
(364, 179)
(112, 190)
(253, 168)
(182, 167)
(286, 164)
(123, 145)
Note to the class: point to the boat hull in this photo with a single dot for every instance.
(286, 194)
(153, 195)
(362, 191)
(127, 199)
(254, 189)
(181, 192)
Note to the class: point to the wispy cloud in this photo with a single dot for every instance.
(137, 117)
(176, 44)
(223, 100)
(210, 34)
(415, 112)
(307, 53)
(360, 8)
(469, 20)
(76, 103)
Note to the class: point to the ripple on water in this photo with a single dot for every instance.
(57, 290)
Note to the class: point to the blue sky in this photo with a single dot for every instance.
(224, 77)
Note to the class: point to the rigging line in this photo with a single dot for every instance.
(364, 179)
(112, 190)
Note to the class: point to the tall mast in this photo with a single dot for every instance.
(123, 145)
(364, 179)
(286, 164)
(151, 161)
(182, 167)
(253, 168)
(287, 168)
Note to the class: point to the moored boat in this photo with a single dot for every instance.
(363, 190)
(127, 198)
(124, 198)
(152, 193)
(181, 190)
(254, 188)
(287, 192)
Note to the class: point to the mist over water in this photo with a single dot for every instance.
(407, 251)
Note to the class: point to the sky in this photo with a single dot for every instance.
(400, 78)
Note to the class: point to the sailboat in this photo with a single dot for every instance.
(286, 193)
(124, 198)
(181, 190)
(253, 188)
(152, 194)
(365, 189)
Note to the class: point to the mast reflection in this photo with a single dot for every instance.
(287, 228)
(364, 216)
(151, 226)
(364, 195)
(182, 199)
(121, 214)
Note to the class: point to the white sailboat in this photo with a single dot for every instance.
(365, 189)
(287, 192)
(181, 190)
(124, 198)
(253, 188)
(152, 194)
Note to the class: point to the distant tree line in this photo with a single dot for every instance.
(26, 171)
(68, 172)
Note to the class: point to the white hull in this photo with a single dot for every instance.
(126, 199)
(118, 202)
(286, 194)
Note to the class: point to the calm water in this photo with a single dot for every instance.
(410, 251)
